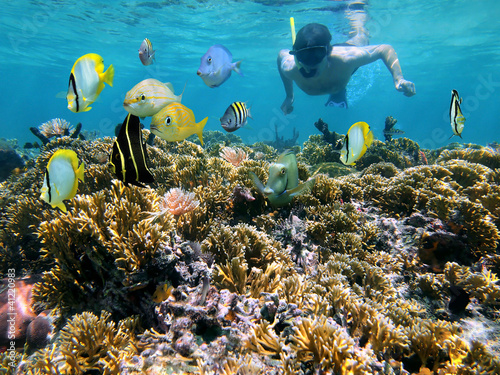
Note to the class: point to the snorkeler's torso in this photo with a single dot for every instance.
(332, 76)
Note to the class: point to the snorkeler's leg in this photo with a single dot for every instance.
(357, 16)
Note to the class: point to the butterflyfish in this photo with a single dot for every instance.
(149, 96)
(235, 117)
(457, 119)
(86, 82)
(129, 157)
(61, 178)
(176, 122)
(146, 52)
(283, 182)
(216, 66)
(358, 139)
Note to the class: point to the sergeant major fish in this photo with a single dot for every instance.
(216, 66)
(358, 139)
(149, 96)
(61, 178)
(283, 182)
(86, 82)
(235, 117)
(176, 122)
(457, 119)
(146, 52)
(129, 157)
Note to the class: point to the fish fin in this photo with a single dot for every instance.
(338, 100)
(302, 188)
(170, 86)
(61, 206)
(258, 184)
(80, 171)
(182, 93)
(236, 67)
(249, 114)
(61, 94)
(86, 109)
(109, 75)
(200, 127)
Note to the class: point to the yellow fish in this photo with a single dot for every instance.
(86, 82)
(176, 122)
(61, 178)
(358, 139)
(149, 96)
(162, 292)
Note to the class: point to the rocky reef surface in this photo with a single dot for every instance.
(389, 267)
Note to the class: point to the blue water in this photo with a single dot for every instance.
(441, 46)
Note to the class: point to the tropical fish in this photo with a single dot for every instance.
(61, 178)
(216, 66)
(176, 122)
(146, 52)
(129, 157)
(149, 96)
(162, 292)
(283, 182)
(86, 82)
(358, 139)
(457, 119)
(235, 117)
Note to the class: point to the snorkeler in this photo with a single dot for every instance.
(318, 68)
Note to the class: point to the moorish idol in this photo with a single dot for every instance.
(457, 119)
(129, 156)
(283, 181)
(358, 139)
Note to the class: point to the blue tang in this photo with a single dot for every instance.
(216, 66)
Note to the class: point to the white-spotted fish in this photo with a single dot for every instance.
(86, 82)
(149, 96)
(358, 139)
(176, 122)
(216, 66)
(283, 181)
(146, 52)
(457, 119)
(235, 117)
(61, 178)
(129, 157)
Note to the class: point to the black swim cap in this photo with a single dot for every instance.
(312, 35)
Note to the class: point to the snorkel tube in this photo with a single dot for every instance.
(292, 27)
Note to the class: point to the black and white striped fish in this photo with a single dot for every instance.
(235, 117)
(457, 119)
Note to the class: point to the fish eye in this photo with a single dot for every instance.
(283, 171)
(209, 59)
(168, 120)
(229, 121)
(143, 97)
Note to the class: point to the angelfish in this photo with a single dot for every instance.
(146, 52)
(283, 182)
(358, 139)
(457, 119)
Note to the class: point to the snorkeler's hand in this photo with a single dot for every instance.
(287, 106)
(406, 87)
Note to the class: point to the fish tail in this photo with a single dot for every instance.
(200, 127)
(109, 75)
(369, 138)
(236, 67)
(80, 172)
(249, 114)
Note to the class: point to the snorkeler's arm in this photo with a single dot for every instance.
(388, 55)
(287, 106)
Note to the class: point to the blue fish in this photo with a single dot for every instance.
(216, 66)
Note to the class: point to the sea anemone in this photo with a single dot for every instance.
(55, 128)
(178, 202)
(233, 155)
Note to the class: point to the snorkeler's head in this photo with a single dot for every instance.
(312, 44)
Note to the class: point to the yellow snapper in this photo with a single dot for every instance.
(61, 178)
(149, 96)
(457, 119)
(283, 182)
(86, 82)
(176, 122)
(358, 139)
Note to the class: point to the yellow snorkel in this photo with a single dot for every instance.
(292, 26)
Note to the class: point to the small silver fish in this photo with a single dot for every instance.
(457, 119)
(146, 52)
(235, 117)
(216, 66)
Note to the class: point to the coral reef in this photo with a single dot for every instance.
(391, 267)
(389, 129)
